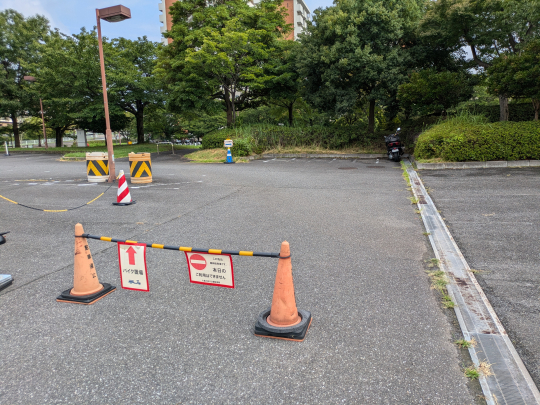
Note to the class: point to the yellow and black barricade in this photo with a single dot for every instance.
(97, 167)
(140, 167)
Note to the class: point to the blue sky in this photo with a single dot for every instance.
(70, 15)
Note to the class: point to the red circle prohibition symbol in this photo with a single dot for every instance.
(198, 262)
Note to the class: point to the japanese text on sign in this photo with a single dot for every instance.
(211, 269)
(132, 260)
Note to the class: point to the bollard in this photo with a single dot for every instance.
(228, 143)
(140, 167)
(97, 167)
(7, 151)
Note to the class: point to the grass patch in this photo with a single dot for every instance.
(432, 160)
(434, 262)
(472, 373)
(465, 344)
(426, 233)
(405, 174)
(414, 200)
(119, 150)
(484, 369)
(213, 156)
(439, 281)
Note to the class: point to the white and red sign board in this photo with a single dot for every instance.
(132, 260)
(210, 269)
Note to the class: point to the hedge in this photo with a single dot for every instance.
(259, 138)
(459, 141)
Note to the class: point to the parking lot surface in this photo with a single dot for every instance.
(378, 334)
(493, 215)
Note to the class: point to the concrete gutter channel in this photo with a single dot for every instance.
(510, 383)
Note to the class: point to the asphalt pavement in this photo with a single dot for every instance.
(493, 215)
(379, 334)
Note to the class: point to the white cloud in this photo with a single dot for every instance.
(32, 7)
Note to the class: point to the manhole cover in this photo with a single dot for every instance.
(376, 167)
(347, 168)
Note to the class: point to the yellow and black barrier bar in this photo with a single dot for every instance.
(140, 168)
(185, 249)
(97, 167)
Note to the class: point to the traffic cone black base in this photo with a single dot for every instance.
(128, 203)
(86, 299)
(296, 332)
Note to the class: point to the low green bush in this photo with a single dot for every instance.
(258, 138)
(214, 139)
(241, 147)
(457, 140)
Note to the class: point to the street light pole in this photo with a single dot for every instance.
(111, 14)
(33, 79)
(43, 123)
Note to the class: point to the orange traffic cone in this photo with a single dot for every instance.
(283, 320)
(86, 287)
(123, 196)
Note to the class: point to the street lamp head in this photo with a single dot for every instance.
(30, 78)
(114, 13)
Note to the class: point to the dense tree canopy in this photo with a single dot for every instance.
(358, 49)
(518, 75)
(217, 57)
(19, 41)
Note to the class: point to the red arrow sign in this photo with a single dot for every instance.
(131, 252)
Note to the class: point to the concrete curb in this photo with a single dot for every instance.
(477, 165)
(319, 156)
(510, 382)
(72, 159)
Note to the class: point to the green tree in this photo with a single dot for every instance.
(217, 57)
(357, 49)
(19, 38)
(69, 80)
(431, 92)
(489, 28)
(130, 78)
(282, 80)
(518, 75)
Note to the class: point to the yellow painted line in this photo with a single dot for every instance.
(106, 239)
(214, 251)
(131, 241)
(185, 249)
(7, 199)
(54, 210)
(245, 253)
(157, 246)
(90, 202)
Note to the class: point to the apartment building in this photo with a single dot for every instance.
(298, 16)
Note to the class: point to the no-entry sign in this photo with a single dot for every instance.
(210, 269)
(132, 260)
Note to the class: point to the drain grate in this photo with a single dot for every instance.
(347, 168)
(376, 167)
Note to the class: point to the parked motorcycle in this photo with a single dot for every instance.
(394, 148)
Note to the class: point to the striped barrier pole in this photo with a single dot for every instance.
(183, 248)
